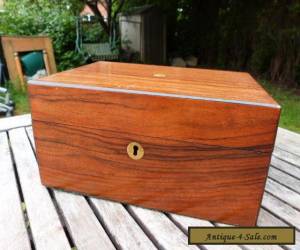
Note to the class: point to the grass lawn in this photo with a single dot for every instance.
(287, 98)
(21, 100)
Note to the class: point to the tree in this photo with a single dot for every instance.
(113, 7)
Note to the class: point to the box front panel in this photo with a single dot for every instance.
(201, 158)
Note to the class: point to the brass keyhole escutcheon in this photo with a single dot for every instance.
(135, 151)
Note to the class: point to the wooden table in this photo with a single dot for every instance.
(35, 217)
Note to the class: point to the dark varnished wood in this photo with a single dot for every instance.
(207, 159)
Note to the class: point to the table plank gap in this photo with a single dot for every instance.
(283, 193)
(15, 122)
(13, 231)
(284, 179)
(286, 167)
(266, 218)
(85, 229)
(24, 209)
(287, 157)
(160, 229)
(47, 230)
(126, 233)
(288, 140)
(274, 215)
(283, 210)
(62, 218)
(29, 133)
(112, 238)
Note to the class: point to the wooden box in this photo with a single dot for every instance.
(190, 141)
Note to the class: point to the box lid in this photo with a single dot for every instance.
(203, 84)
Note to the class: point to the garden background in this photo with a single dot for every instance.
(258, 36)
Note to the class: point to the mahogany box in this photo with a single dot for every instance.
(195, 142)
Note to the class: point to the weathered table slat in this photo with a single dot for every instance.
(282, 210)
(265, 218)
(161, 229)
(184, 222)
(11, 215)
(285, 179)
(287, 195)
(85, 229)
(99, 224)
(29, 132)
(15, 122)
(121, 226)
(45, 225)
(286, 167)
(288, 141)
(287, 156)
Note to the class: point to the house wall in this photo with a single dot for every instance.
(131, 33)
(146, 34)
(87, 11)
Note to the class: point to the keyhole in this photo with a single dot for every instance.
(135, 150)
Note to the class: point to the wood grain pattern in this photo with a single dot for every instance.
(202, 158)
(203, 83)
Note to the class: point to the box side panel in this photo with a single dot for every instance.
(203, 159)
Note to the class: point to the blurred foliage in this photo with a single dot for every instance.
(93, 33)
(261, 36)
(71, 59)
(55, 19)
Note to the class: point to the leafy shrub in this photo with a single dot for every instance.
(70, 59)
(93, 33)
(56, 19)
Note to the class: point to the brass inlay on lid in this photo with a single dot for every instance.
(160, 75)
